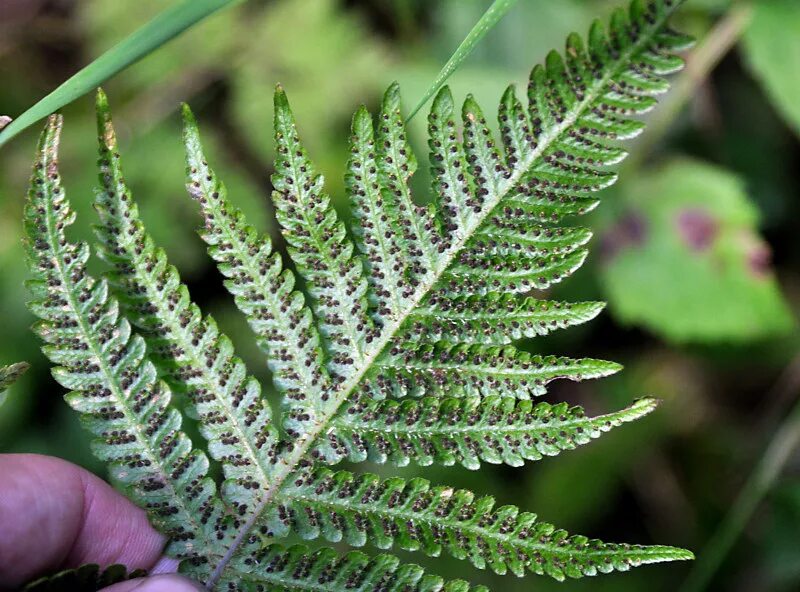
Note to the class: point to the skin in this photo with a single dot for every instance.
(55, 515)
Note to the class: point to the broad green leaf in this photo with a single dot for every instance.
(687, 261)
(150, 37)
(772, 49)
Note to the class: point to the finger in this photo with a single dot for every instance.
(54, 514)
(171, 583)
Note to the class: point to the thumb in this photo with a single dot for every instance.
(164, 583)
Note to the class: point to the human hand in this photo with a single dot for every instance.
(55, 515)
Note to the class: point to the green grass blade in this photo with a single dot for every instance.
(490, 18)
(151, 36)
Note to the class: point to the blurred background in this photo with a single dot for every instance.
(696, 251)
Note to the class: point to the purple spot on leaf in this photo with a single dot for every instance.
(629, 231)
(697, 229)
(758, 260)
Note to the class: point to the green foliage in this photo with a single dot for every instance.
(87, 578)
(314, 72)
(114, 386)
(686, 260)
(413, 515)
(413, 321)
(274, 567)
(772, 49)
(187, 349)
(467, 430)
(168, 24)
(9, 375)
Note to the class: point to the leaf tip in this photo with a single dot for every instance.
(105, 128)
(645, 405)
(391, 98)
(187, 115)
(443, 101)
(101, 99)
(281, 101)
(362, 121)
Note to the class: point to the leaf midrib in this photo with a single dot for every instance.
(538, 425)
(302, 444)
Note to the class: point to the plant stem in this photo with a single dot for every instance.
(769, 468)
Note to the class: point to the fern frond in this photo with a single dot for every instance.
(415, 516)
(451, 184)
(320, 247)
(11, 374)
(495, 319)
(467, 431)
(295, 568)
(86, 578)
(459, 370)
(552, 156)
(380, 241)
(188, 350)
(263, 291)
(396, 163)
(113, 385)
(476, 273)
(423, 303)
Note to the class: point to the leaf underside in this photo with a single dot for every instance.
(11, 374)
(87, 578)
(400, 349)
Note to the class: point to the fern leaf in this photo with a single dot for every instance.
(379, 239)
(444, 369)
(495, 319)
(263, 290)
(467, 431)
(86, 578)
(450, 182)
(187, 349)
(552, 156)
(396, 164)
(530, 243)
(477, 275)
(415, 516)
(10, 374)
(319, 246)
(113, 385)
(425, 303)
(295, 568)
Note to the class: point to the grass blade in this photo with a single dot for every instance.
(151, 36)
(490, 18)
(769, 468)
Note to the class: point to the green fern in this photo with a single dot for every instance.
(400, 349)
(86, 578)
(9, 375)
